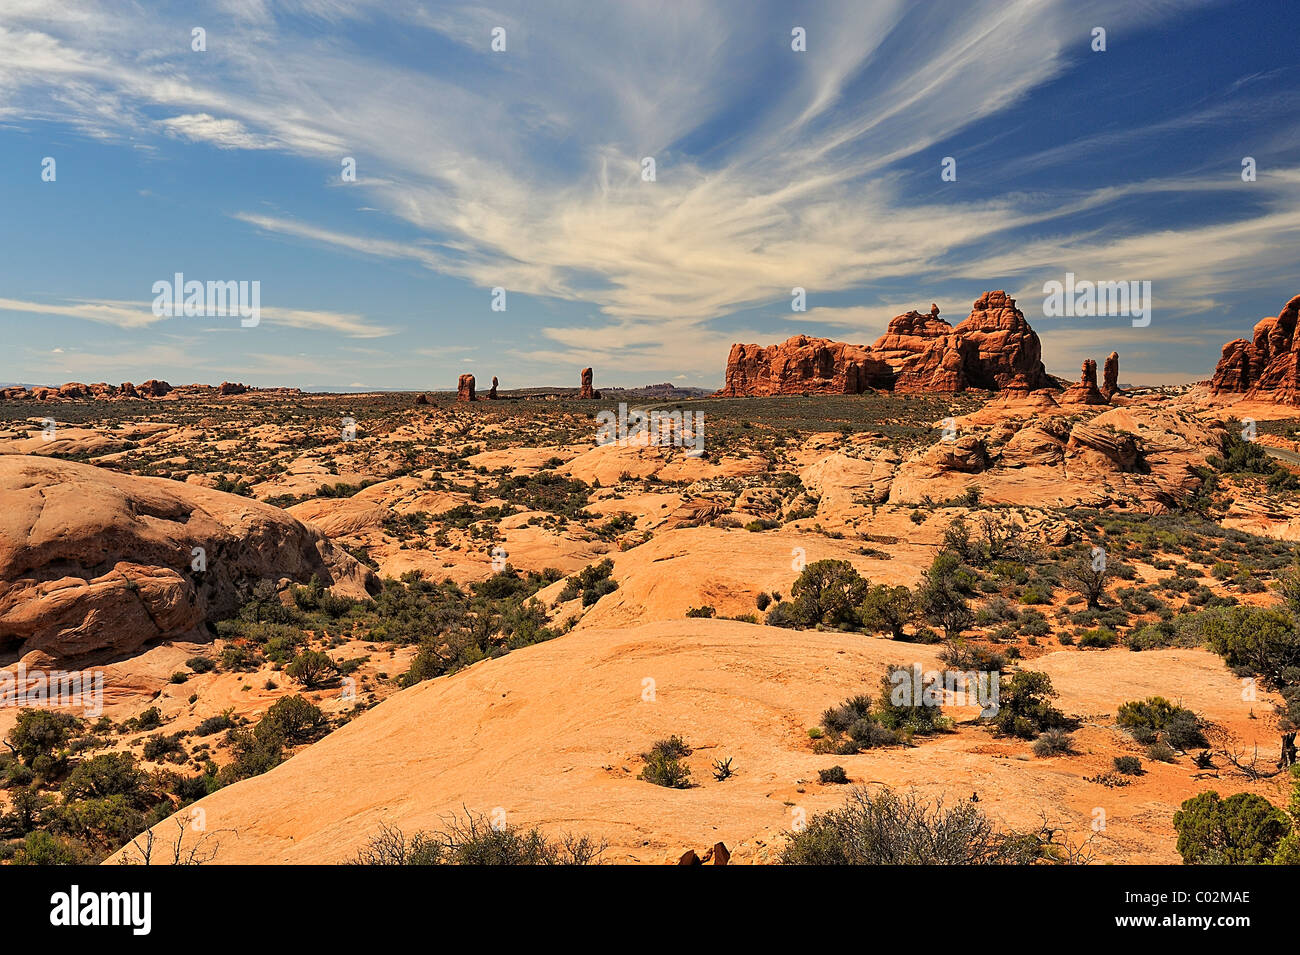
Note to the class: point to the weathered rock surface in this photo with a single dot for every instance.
(94, 563)
(1268, 366)
(586, 391)
(492, 394)
(465, 388)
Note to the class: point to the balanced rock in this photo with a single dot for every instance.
(492, 394)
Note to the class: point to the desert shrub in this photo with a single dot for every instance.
(291, 719)
(591, 583)
(887, 609)
(1023, 707)
(1054, 742)
(962, 655)
(474, 841)
(1254, 640)
(1155, 716)
(1128, 765)
(664, 766)
(1100, 637)
(835, 774)
(1161, 752)
(1245, 829)
(902, 708)
(763, 600)
(253, 755)
(942, 594)
(705, 611)
(215, 724)
(201, 664)
(108, 774)
(40, 732)
(312, 668)
(159, 747)
(888, 829)
(829, 592)
(45, 848)
(785, 614)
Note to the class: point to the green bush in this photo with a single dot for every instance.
(835, 774)
(1128, 765)
(1245, 829)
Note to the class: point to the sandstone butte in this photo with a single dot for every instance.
(994, 348)
(1268, 366)
(465, 388)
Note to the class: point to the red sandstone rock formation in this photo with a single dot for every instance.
(492, 394)
(993, 348)
(465, 388)
(153, 388)
(231, 388)
(802, 365)
(128, 390)
(75, 389)
(422, 399)
(1009, 354)
(1085, 392)
(587, 391)
(1268, 366)
(1110, 377)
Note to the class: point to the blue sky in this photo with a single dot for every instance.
(521, 169)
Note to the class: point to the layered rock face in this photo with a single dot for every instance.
(465, 388)
(994, 348)
(802, 365)
(1110, 378)
(94, 563)
(1268, 366)
(586, 391)
(1085, 391)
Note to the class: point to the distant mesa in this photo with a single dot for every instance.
(994, 349)
(1268, 366)
(587, 391)
(465, 388)
(153, 388)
